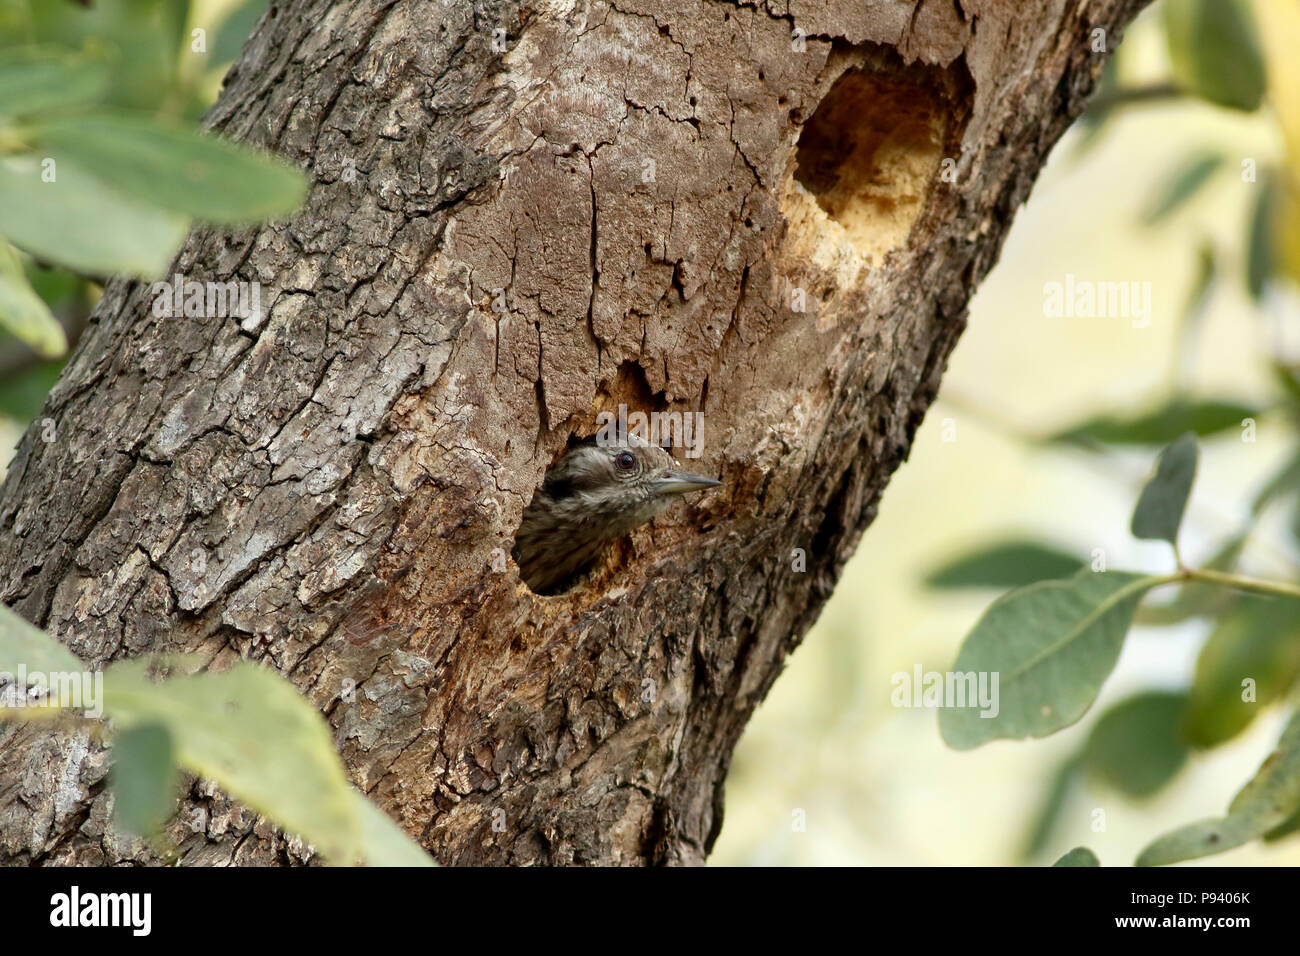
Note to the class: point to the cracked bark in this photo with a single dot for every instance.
(329, 491)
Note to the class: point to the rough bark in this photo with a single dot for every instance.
(332, 491)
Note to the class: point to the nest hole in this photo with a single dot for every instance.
(868, 156)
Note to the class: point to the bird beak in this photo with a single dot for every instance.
(680, 482)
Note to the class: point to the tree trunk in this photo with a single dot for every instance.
(522, 216)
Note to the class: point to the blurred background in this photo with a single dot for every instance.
(1183, 175)
(1149, 189)
(160, 59)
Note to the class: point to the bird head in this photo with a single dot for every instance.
(593, 494)
(620, 486)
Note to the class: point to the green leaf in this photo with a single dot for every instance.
(25, 647)
(1267, 802)
(23, 312)
(1284, 481)
(1052, 645)
(1160, 507)
(383, 842)
(143, 779)
(250, 731)
(1256, 641)
(139, 39)
(23, 393)
(1284, 829)
(1214, 51)
(247, 729)
(1190, 175)
(61, 289)
(36, 80)
(1288, 379)
(177, 168)
(1261, 256)
(1135, 746)
(79, 222)
(1079, 856)
(1195, 306)
(1004, 565)
(1159, 426)
(236, 29)
(1049, 810)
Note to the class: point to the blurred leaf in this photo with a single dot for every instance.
(1284, 481)
(250, 731)
(1189, 176)
(1288, 378)
(139, 39)
(23, 393)
(1194, 308)
(23, 645)
(59, 288)
(1214, 51)
(1206, 268)
(1160, 507)
(1053, 644)
(1284, 829)
(1267, 801)
(247, 729)
(1161, 425)
(1135, 745)
(36, 80)
(143, 778)
(177, 168)
(1261, 258)
(1229, 553)
(1285, 223)
(1049, 811)
(1079, 856)
(1258, 639)
(23, 312)
(1004, 565)
(236, 29)
(79, 222)
(383, 842)
(1280, 34)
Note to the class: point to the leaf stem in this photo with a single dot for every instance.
(1240, 583)
(1129, 95)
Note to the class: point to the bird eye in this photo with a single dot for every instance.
(625, 461)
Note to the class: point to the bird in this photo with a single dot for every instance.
(596, 493)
